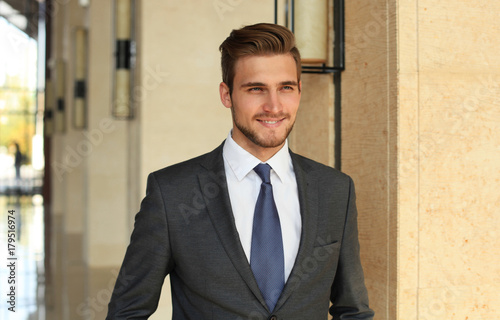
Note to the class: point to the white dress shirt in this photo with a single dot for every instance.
(244, 186)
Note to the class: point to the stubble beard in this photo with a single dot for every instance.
(252, 135)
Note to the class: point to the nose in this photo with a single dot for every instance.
(273, 103)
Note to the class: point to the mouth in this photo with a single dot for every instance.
(271, 123)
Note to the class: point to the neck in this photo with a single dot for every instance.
(264, 154)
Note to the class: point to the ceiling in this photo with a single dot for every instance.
(22, 13)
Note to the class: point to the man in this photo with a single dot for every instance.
(249, 230)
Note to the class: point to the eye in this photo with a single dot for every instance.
(255, 89)
(288, 88)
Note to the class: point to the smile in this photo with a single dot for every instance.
(269, 121)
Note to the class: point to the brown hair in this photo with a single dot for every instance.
(257, 39)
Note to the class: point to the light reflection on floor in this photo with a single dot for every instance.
(29, 251)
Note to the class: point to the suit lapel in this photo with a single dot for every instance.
(221, 215)
(308, 198)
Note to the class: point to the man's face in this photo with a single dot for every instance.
(264, 102)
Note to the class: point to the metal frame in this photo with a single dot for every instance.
(338, 29)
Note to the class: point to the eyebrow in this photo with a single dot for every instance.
(261, 84)
(253, 84)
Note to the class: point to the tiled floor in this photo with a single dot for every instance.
(27, 256)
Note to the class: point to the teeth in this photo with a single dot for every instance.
(269, 121)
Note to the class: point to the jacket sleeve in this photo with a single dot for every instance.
(349, 296)
(147, 260)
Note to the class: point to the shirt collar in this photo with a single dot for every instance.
(242, 162)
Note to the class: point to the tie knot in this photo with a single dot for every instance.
(264, 172)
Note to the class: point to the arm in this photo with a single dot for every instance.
(147, 260)
(349, 296)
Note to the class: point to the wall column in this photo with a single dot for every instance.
(107, 225)
(420, 104)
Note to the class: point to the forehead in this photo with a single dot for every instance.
(277, 66)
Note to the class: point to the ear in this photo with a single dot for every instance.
(300, 87)
(225, 95)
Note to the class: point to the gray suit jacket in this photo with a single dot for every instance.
(185, 228)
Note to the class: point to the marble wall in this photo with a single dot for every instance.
(419, 116)
(369, 142)
(65, 286)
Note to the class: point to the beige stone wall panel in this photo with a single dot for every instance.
(313, 134)
(369, 141)
(458, 36)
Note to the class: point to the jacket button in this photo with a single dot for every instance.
(273, 318)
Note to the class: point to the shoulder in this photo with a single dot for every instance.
(190, 168)
(313, 168)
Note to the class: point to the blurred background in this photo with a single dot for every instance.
(401, 95)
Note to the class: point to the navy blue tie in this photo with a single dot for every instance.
(266, 257)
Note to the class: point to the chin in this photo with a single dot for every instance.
(264, 139)
(270, 142)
